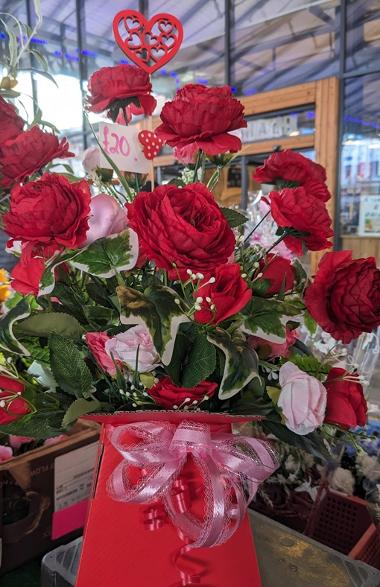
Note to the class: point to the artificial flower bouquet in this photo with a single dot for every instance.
(160, 313)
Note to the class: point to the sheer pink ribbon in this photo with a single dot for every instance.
(232, 468)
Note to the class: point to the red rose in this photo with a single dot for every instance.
(181, 227)
(317, 189)
(27, 274)
(225, 296)
(29, 152)
(49, 212)
(345, 296)
(10, 122)
(346, 405)
(114, 88)
(170, 396)
(202, 118)
(295, 209)
(289, 166)
(279, 272)
(12, 406)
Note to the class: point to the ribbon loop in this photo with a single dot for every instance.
(232, 468)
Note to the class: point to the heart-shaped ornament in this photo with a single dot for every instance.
(152, 144)
(148, 43)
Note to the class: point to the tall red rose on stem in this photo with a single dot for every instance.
(290, 167)
(123, 88)
(305, 219)
(202, 118)
(345, 296)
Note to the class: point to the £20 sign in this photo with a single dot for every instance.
(121, 144)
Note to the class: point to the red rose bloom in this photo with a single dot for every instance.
(227, 295)
(279, 272)
(345, 296)
(289, 166)
(27, 274)
(346, 405)
(295, 209)
(29, 152)
(12, 406)
(49, 212)
(170, 396)
(112, 88)
(318, 190)
(202, 118)
(10, 122)
(181, 227)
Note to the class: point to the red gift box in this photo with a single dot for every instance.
(122, 548)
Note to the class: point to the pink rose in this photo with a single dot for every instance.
(125, 346)
(91, 159)
(17, 441)
(302, 399)
(281, 349)
(6, 453)
(96, 342)
(55, 440)
(106, 218)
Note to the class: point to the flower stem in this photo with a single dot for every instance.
(214, 178)
(277, 242)
(257, 226)
(198, 163)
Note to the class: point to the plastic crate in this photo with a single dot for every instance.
(345, 524)
(60, 566)
(285, 557)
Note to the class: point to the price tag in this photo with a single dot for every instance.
(122, 145)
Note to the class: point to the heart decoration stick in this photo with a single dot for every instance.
(148, 43)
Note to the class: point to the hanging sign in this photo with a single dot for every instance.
(122, 145)
(269, 128)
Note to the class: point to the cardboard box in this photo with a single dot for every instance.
(120, 549)
(44, 496)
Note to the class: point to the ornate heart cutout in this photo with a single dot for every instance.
(159, 38)
(151, 142)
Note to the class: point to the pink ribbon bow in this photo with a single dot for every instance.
(232, 467)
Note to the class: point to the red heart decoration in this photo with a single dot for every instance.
(151, 142)
(148, 43)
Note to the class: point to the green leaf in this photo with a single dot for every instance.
(157, 310)
(46, 323)
(310, 365)
(47, 282)
(267, 318)
(241, 363)
(102, 317)
(310, 323)
(8, 340)
(106, 257)
(68, 366)
(201, 362)
(311, 443)
(79, 408)
(39, 425)
(233, 217)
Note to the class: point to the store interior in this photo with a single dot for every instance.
(308, 76)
